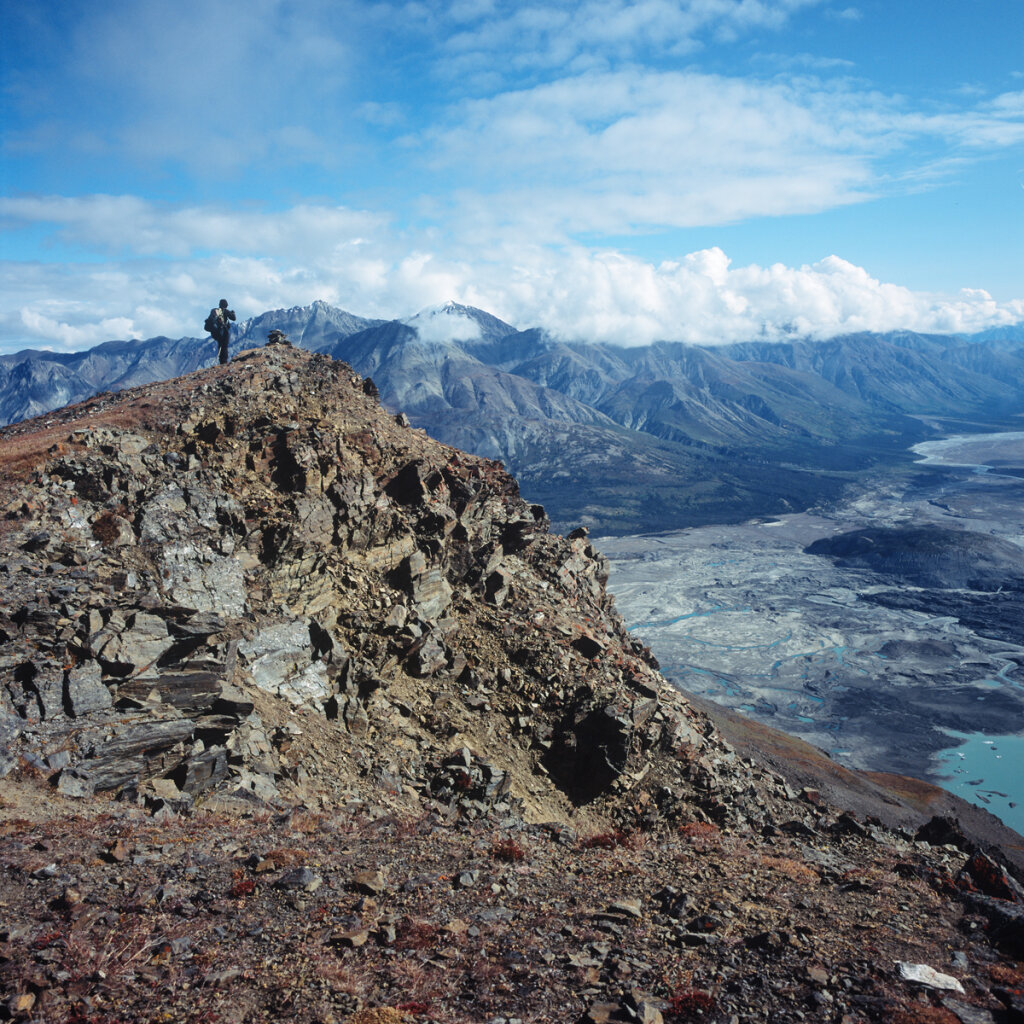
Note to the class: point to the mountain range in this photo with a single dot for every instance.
(623, 439)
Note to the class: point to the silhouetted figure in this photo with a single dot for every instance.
(219, 328)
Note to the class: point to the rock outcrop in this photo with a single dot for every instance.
(195, 571)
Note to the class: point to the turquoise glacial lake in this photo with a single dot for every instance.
(987, 771)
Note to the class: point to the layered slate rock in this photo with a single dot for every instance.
(253, 580)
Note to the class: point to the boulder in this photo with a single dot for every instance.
(48, 682)
(429, 591)
(138, 647)
(84, 690)
(11, 727)
(279, 659)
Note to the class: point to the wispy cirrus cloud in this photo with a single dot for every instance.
(134, 226)
(219, 87)
(638, 150)
(803, 62)
(573, 35)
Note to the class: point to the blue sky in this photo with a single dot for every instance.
(705, 170)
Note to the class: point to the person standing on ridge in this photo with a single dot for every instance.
(219, 329)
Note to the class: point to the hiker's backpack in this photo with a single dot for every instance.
(214, 322)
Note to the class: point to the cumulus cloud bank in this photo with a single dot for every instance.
(159, 278)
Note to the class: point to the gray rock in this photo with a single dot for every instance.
(922, 974)
(429, 656)
(250, 745)
(302, 879)
(204, 770)
(355, 717)
(968, 1014)
(627, 907)
(75, 784)
(192, 693)
(1005, 920)
(197, 578)
(279, 658)
(162, 789)
(84, 690)
(315, 516)
(254, 786)
(497, 587)
(119, 759)
(431, 595)
(164, 518)
(48, 683)
(58, 759)
(140, 645)
(430, 592)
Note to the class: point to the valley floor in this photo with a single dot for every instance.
(881, 675)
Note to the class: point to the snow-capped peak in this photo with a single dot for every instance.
(447, 322)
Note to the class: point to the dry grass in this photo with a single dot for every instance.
(1009, 977)
(699, 830)
(923, 1015)
(795, 870)
(507, 850)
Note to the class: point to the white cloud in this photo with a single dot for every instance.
(443, 323)
(129, 224)
(811, 61)
(702, 299)
(606, 146)
(351, 259)
(570, 34)
(67, 336)
(615, 152)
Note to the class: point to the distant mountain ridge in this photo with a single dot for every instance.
(621, 438)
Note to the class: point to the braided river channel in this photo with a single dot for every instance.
(881, 672)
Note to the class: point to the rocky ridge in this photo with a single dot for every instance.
(311, 679)
(662, 436)
(195, 556)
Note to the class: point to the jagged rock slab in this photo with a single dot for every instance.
(255, 577)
